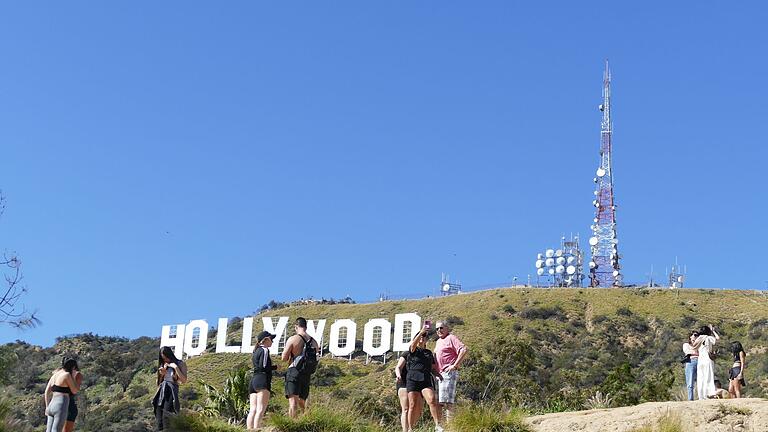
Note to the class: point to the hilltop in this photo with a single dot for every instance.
(543, 350)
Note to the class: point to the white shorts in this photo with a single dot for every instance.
(447, 387)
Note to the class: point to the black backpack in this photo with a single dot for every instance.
(307, 363)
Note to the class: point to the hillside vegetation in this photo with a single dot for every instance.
(539, 350)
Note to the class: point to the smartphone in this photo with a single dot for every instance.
(428, 324)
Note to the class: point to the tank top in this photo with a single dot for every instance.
(60, 389)
(168, 375)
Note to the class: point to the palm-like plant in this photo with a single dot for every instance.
(599, 401)
(231, 402)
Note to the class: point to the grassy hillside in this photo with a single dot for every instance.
(543, 350)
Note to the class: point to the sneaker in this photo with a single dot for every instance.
(438, 429)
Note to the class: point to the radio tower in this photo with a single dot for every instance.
(604, 267)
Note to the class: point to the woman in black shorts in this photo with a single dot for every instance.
(70, 363)
(261, 383)
(736, 373)
(401, 374)
(420, 384)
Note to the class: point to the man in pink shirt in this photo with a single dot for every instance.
(449, 353)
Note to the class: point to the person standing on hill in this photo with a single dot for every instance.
(170, 373)
(401, 377)
(420, 384)
(72, 410)
(60, 388)
(736, 373)
(449, 352)
(705, 369)
(692, 361)
(301, 351)
(261, 382)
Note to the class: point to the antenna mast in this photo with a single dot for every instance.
(604, 267)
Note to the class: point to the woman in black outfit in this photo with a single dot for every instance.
(419, 383)
(170, 373)
(261, 383)
(70, 363)
(736, 373)
(401, 375)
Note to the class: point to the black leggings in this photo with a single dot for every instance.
(162, 412)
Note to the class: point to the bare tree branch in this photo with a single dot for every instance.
(12, 312)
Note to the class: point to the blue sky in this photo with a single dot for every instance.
(166, 161)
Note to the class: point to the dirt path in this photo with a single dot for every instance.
(730, 415)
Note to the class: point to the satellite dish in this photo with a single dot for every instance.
(595, 203)
(558, 253)
(560, 260)
(550, 253)
(615, 273)
(570, 270)
(592, 264)
(595, 193)
(540, 271)
(601, 107)
(446, 287)
(571, 259)
(559, 269)
(594, 220)
(615, 241)
(551, 271)
(680, 279)
(600, 172)
(593, 241)
(568, 281)
(539, 263)
(539, 256)
(550, 262)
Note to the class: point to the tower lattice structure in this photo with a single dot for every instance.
(605, 270)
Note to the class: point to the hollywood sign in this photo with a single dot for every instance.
(378, 335)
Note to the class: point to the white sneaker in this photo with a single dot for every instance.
(438, 429)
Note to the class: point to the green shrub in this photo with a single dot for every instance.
(487, 419)
(194, 422)
(321, 419)
(326, 375)
(232, 401)
(7, 423)
(543, 313)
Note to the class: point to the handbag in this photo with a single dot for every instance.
(685, 359)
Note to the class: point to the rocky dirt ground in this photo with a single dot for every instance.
(728, 415)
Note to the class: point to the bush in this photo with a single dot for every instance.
(488, 419)
(194, 422)
(232, 400)
(321, 419)
(137, 391)
(543, 313)
(326, 375)
(8, 424)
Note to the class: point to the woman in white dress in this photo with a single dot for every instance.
(705, 370)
